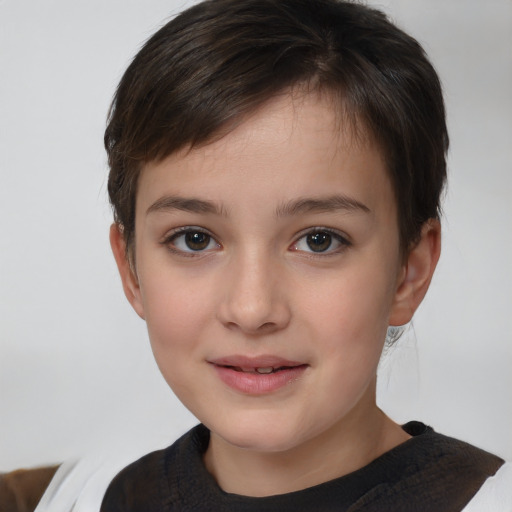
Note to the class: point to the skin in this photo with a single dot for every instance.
(257, 288)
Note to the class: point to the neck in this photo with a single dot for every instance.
(349, 445)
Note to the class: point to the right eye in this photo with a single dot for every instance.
(191, 241)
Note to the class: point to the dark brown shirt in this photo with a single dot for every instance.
(428, 473)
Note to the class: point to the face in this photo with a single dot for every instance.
(268, 270)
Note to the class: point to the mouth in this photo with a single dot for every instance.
(262, 370)
(258, 376)
(263, 364)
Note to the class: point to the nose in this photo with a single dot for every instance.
(253, 298)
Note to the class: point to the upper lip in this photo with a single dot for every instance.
(263, 361)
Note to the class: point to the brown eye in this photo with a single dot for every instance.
(189, 241)
(196, 240)
(319, 242)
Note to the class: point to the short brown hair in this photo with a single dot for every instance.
(221, 59)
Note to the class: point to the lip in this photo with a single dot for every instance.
(262, 361)
(239, 373)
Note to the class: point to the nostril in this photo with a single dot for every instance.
(253, 315)
(264, 328)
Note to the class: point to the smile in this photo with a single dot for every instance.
(261, 370)
(257, 376)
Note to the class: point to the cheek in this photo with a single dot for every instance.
(351, 312)
(174, 328)
(177, 311)
(349, 331)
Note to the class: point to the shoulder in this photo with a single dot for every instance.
(137, 485)
(445, 452)
(495, 495)
(80, 484)
(157, 479)
(432, 471)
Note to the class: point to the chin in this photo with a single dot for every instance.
(259, 436)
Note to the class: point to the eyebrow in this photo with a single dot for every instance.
(192, 205)
(321, 205)
(295, 207)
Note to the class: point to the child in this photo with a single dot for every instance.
(275, 172)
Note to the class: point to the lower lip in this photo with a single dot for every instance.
(258, 383)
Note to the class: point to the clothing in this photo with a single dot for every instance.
(429, 472)
(21, 490)
(496, 493)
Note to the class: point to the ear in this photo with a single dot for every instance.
(128, 276)
(416, 274)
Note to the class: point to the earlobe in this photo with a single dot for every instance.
(416, 274)
(128, 277)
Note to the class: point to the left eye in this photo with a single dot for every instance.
(320, 242)
(192, 241)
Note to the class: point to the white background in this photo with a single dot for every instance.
(75, 365)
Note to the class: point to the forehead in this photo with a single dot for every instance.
(296, 144)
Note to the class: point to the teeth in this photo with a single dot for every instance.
(265, 370)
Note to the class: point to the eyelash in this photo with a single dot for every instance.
(335, 237)
(170, 240)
